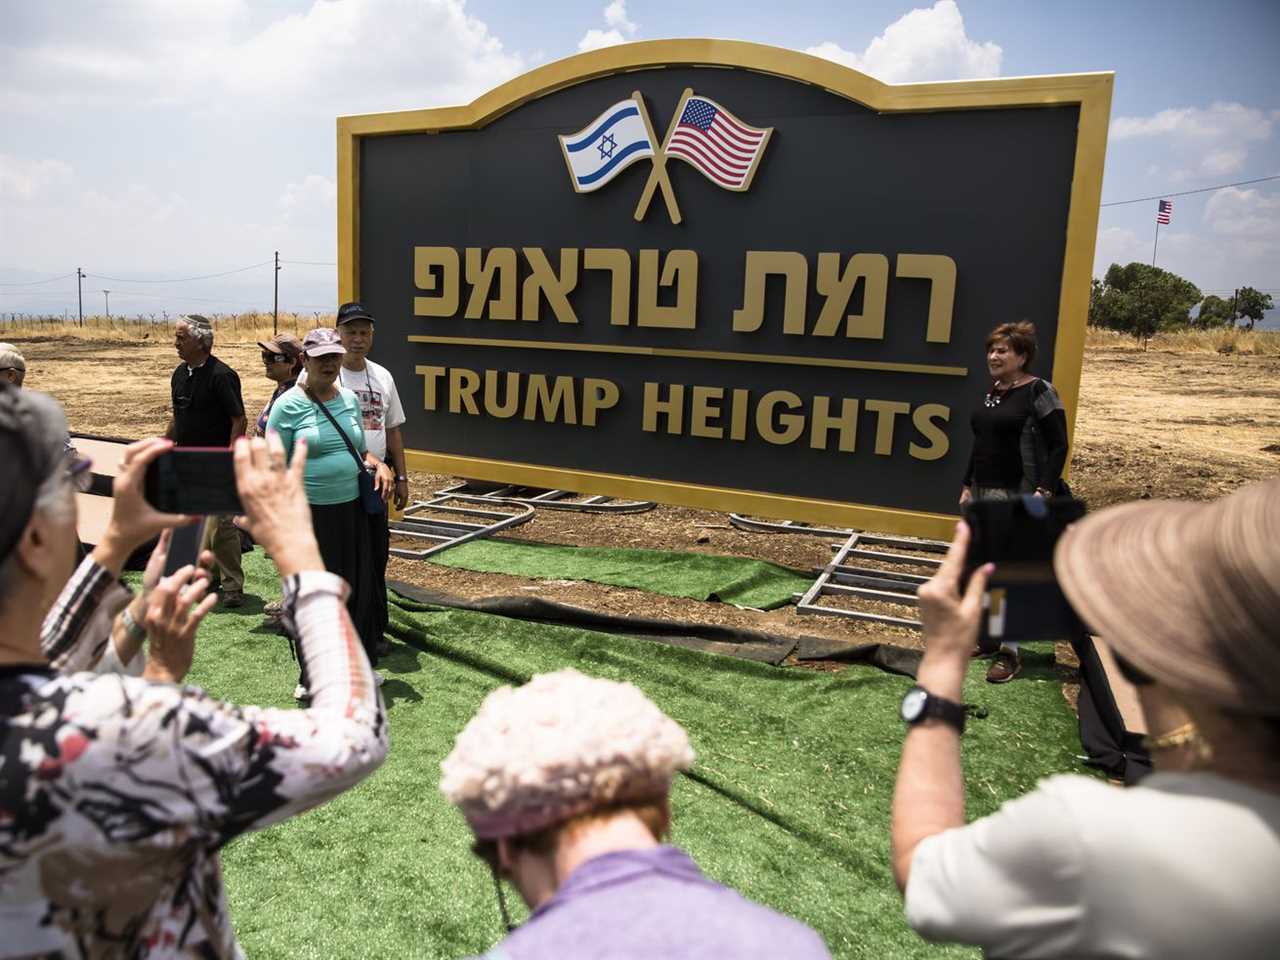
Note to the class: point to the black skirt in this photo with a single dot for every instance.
(354, 545)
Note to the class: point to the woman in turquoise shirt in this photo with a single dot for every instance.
(343, 528)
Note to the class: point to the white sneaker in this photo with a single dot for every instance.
(300, 692)
(378, 679)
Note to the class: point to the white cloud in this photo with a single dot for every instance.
(1219, 121)
(1249, 214)
(367, 55)
(314, 200)
(615, 15)
(23, 179)
(620, 28)
(1211, 141)
(929, 43)
(339, 56)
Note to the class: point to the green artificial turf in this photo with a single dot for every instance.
(788, 801)
(745, 583)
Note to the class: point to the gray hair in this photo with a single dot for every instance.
(201, 329)
(53, 498)
(11, 357)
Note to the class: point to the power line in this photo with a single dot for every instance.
(1187, 193)
(32, 283)
(207, 276)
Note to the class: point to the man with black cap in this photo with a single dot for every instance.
(208, 411)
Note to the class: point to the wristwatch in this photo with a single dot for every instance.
(919, 704)
(402, 479)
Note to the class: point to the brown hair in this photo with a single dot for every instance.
(654, 814)
(1021, 337)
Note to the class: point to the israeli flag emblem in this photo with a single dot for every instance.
(608, 145)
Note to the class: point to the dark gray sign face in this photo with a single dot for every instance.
(818, 335)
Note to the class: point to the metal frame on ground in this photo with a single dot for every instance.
(840, 578)
(450, 530)
(554, 499)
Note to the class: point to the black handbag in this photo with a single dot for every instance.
(370, 498)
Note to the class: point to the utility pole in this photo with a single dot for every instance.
(275, 300)
(80, 293)
(1233, 306)
(106, 296)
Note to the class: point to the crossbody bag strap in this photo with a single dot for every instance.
(342, 433)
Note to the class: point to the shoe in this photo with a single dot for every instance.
(274, 610)
(383, 647)
(301, 693)
(378, 679)
(1006, 665)
(233, 598)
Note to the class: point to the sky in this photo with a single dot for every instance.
(148, 140)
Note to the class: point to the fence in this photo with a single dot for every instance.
(228, 327)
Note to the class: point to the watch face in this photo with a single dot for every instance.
(913, 704)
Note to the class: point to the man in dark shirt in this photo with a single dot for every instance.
(208, 412)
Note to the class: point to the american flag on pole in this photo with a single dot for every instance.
(1164, 212)
(717, 144)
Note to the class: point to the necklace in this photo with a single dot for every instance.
(998, 393)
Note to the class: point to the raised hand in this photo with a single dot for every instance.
(275, 501)
(951, 618)
(174, 610)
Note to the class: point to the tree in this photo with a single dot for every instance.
(1141, 299)
(1251, 304)
(1215, 312)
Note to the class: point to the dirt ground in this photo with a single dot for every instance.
(1151, 423)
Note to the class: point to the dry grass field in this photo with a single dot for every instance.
(1188, 416)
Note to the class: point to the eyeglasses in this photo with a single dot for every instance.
(1137, 677)
(79, 472)
(274, 358)
(487, 850)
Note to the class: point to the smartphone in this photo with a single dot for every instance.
(1024, 600)
(184, 546)
(199, 480)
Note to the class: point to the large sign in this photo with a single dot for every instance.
(722, 275)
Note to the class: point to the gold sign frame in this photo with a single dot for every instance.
(1090, 92)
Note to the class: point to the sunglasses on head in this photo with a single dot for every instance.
(273, 357)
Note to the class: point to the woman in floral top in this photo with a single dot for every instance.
(116, 792)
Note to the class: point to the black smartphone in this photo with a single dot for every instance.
(199, 480)
(1024, 600)
(184, 546)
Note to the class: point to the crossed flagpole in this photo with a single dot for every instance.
(658, 176)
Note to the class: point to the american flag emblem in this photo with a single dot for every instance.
(1164, 211)
(717, 144)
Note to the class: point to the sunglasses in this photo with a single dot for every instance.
(274, 358)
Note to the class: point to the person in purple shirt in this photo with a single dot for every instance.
(565, 783)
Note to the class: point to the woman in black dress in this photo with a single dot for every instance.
(1019, 441)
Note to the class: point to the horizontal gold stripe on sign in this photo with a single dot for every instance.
(928, 368)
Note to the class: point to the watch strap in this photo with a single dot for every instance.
(134, 630)
(948, 711)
